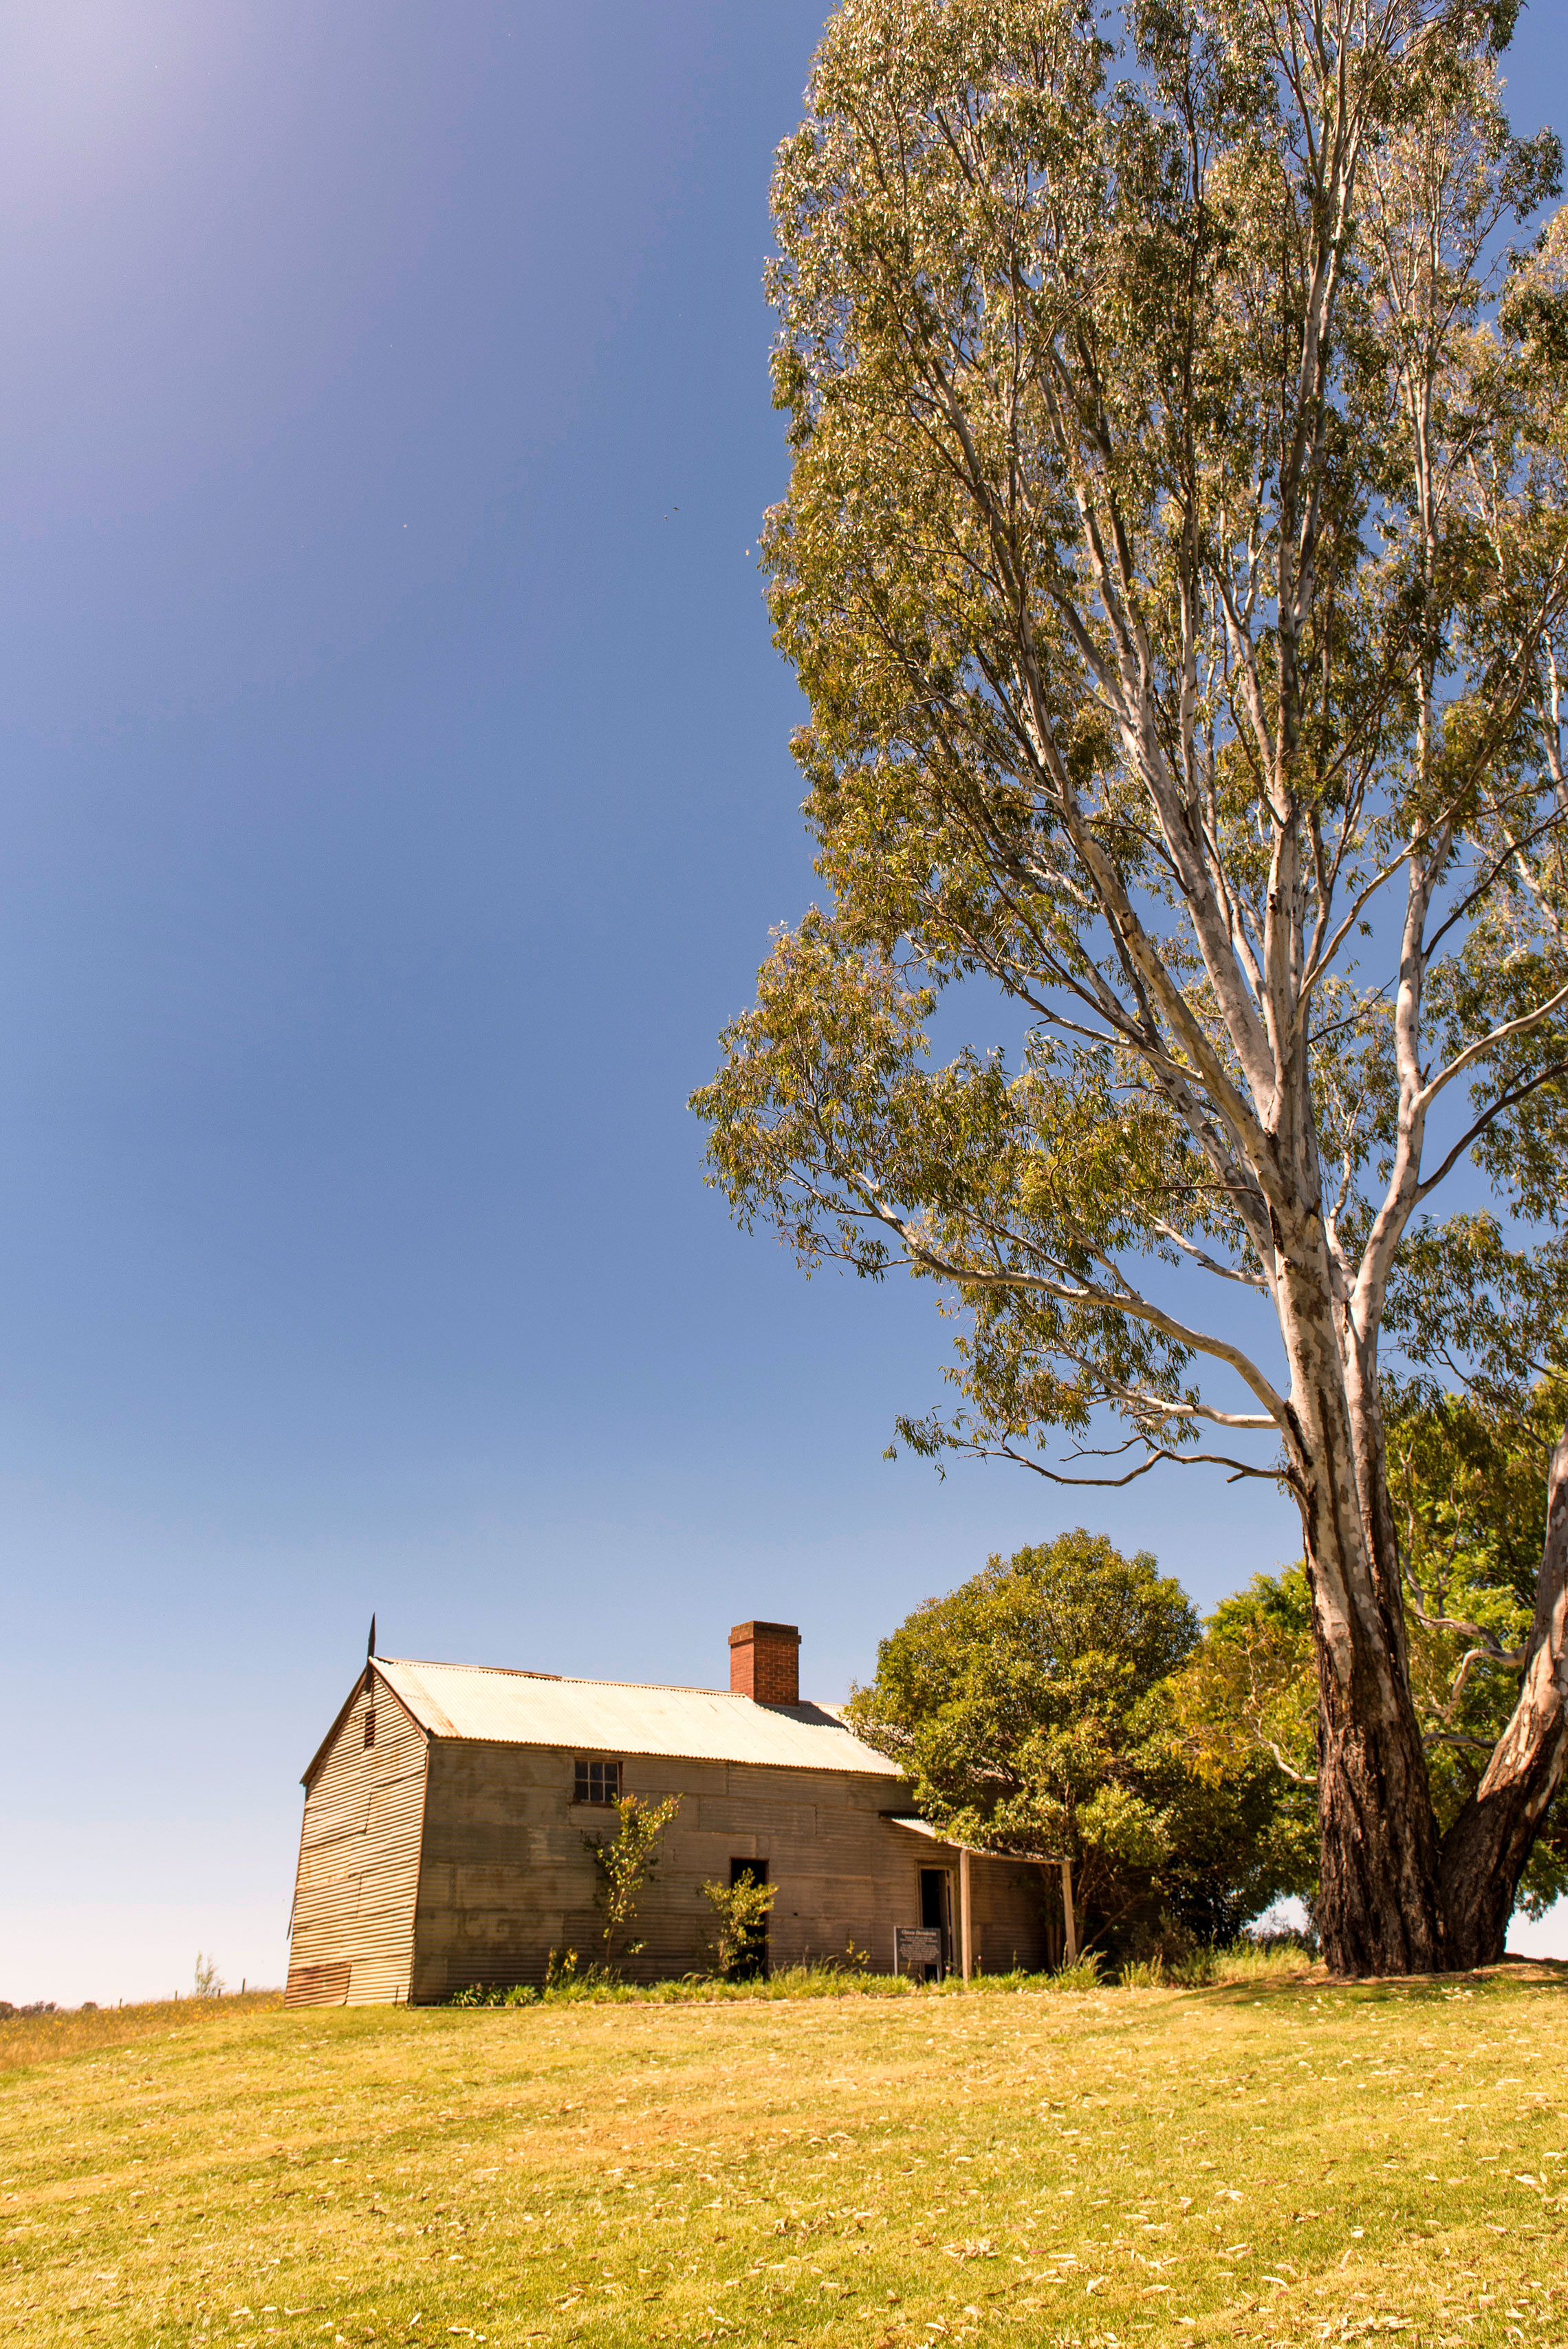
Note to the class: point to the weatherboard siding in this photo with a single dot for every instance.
(353, 1937)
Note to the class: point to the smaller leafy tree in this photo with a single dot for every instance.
(1031, 1711)
(740, 1924)
(1246, 1701)
(625, 1861)
(1468, 1476)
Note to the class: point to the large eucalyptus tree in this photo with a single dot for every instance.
(1176, 560)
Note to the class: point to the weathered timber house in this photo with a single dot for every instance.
(446, 1811)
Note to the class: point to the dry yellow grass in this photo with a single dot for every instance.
(1267, 2162)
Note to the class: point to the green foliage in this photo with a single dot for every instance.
(624, 1863)
(1031, 314)
(1467, 1473)
(1468, 1479)
(1247, 1704)
(740, 1923)
(1031, 1710)
(848, 1974)
(1195, 1969)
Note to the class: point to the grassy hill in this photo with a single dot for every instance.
(1274, 2161)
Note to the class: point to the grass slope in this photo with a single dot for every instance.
(1277, 2162)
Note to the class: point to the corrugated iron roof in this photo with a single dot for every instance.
(981, 1851)
(516, 1708)
(923, 1828)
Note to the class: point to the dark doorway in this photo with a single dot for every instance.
(754, 1963)
(936, 1912)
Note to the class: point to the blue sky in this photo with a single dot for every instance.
(397, 802)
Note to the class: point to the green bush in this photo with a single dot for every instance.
(739, 1926)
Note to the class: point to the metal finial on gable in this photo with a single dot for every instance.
(370, 1646)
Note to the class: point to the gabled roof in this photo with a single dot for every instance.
(516, 1708)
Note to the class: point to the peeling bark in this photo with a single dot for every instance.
(1378, 1910)
(1379, 1906)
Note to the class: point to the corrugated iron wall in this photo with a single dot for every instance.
(506, 1880)
(353, 1940)
(1008, 1920)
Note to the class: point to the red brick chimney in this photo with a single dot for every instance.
(765, 1662)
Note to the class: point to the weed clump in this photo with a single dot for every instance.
(1276, 1957)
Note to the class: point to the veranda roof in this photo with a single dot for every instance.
(956, 1842)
